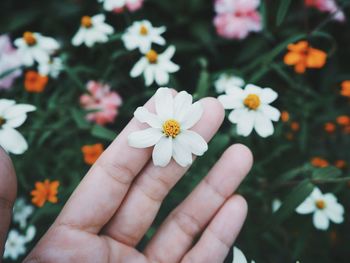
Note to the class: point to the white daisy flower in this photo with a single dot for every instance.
(110, 5)
(169, 130)
(141, 35)
(324, 207)
(15, 243)
(51, 68)
(238, 256)
(155, 67)
(35, 47)
(21, 212)
(92, 30)
(12, 116)
(225, 81)
(251, 109)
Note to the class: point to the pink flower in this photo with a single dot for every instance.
(131, 5)
(235, 19)
(9, 60)
(329, 6)
(102, 101)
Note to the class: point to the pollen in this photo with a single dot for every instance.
(252, 101)
(86, 21)
(143, 30)
(171, 128)
(152, 56)
(320, 204)
(2, 121)
(29, 38)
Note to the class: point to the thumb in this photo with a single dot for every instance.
(8, 192)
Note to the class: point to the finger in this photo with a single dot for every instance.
(145, 196)
(102, 190)
(218, 237)
(176, 235)
(8, 192)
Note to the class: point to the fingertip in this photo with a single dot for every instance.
(242, 153)
(238, 204)
(8, 186)
(213, 110)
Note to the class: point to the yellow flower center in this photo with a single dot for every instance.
(2, 121)
(143, 30)
(252, 101)
(152, 56)
(171, 128)
(29, 38)
(86, 21)
(320, 204)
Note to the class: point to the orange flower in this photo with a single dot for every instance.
(45, 191)
(329, 127)
(92, 152)
(295, 126)
(341, 164)
(345, 88)
(301, 55)
(319, 162)
(284, 116)
(34, 82)
(343, 120)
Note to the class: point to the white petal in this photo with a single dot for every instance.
(169, 66)
(5, 104)
(12, 141)
(168, 53)
(316, 194)
(306, 207)
(138, 68)
(18, 110)
(164, 104)
(144, 116)
(194, 142)
(335, 213)
(181, 153)
(182, 103)
(162, 152)
(193, 115)
(237, 114)
(238, 256)
(41, 56)
(230, 102)
(320, 220)
(78, 37)
(149, 75)
(271, 112)
(268, 95)
(161, 76)
(30, 233)
(145, 138)
(235, 92)
(253, 89)
(15, 122)
(263, 125)
(245, 123)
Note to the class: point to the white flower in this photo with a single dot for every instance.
(110, 5)
(324, 207)
(251, 109)
(35, 47)
(238, 256)
(155, 66)
(51, 68)
(141, 35)
(225, 81)
(12, 116)
(92, 30)
(169, 130)
(21, 212)
(276, 204)
(15, 243)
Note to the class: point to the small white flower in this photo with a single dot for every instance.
(251, 109)
(141, 35)
(51, 68)
(226, 81)
(15, 243)
(276, 204)
(21, 212)
(12, 116)
(92, 30)
(238, 256)
(169, 130)
(110, 5)
(35, 47)
(155, 66)
(324, 207)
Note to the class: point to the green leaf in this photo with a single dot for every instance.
(79, 118)
(329, 172)
(103, 133)
(203, 82)
(282, 11)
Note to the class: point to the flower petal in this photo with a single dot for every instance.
(162, 152)
(145, 138)
(245, 123)
(271, 112)
(149, 75)
(268, 95)
(306, 207)
(263, 125)
(161, 76)
(181, 153)
(164, 104)
(316, 194)
(194, 141)
(138, 68)
(252, 89)
(320, 220)
(17, 110)
(238, 256)
(236, 114)
(5, 104)
(335, 213)
(12, 141)
(193, 115)
(182, 103)
(230, 102)
(144, 116)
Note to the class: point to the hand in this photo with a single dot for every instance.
(117, 201)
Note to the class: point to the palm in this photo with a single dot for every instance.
(117, 201)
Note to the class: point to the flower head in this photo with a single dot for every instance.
(92, 30)
(35, 82)
(51, 68)
(302, 56)
(15, 243)
(155, 67)
(21, 212)
(104, 102)
(329, 6)
(45, 192)
(92, 152)
(169, 130)
(319, 162)
(251, 109)
(141, 35)
(324, 207)
(225, 81)
(345, 88)
(12, 116)
(34, 47)
(119, 5)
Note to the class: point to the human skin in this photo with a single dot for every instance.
(117, 201)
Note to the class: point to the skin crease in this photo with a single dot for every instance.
(118, 199)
